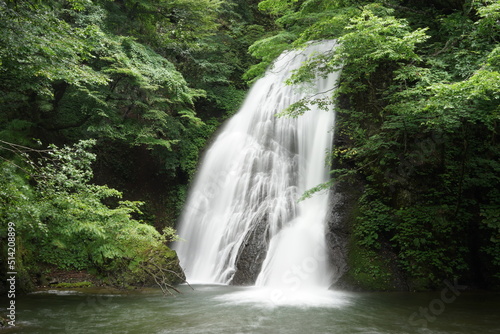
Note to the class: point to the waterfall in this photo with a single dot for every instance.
(243, 223)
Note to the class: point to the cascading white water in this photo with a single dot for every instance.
(250, 180)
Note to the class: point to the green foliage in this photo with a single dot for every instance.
(148, 101)
(374, 222)
(267, 50)
(487, 25)
(300, 22)
(65, 220)
(277, 7)
(474, 100)
(429, 243)
(371, 41)
(368, 42)
(64, 72)
(65, 170)
(176, 24)
(37, 48)
(418, 112)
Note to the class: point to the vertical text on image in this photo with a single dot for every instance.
(11, 273)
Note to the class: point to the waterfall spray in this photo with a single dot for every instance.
(243, 223)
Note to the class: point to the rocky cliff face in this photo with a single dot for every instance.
(355, 268)
(342, 206)
(252, 254)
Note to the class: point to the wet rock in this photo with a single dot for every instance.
(252, 253)
(343, 201)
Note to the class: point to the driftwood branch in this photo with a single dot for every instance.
(155, 269)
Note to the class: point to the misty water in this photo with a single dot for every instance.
(222, 309)
(243, 221)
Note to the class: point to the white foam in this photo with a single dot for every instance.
(274, 297)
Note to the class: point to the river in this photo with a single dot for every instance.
(227, 309)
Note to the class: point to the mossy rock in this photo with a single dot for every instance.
(370, 271)
(160, 265)
(72, 285)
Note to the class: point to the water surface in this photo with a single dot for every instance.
(224, 309)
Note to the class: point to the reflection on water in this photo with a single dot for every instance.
(224, 309)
